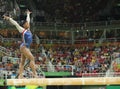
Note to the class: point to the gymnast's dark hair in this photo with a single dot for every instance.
(22, 22)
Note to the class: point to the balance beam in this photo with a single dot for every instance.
(65, 81)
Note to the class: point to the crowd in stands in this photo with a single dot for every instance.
(62, 37)
(69, 11)
(2, 6)
(72, 11)
(82, 60)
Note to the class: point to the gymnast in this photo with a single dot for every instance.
(25, 45)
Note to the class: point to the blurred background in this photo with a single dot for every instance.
(72, 38)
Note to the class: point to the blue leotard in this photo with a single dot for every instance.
(26, 38)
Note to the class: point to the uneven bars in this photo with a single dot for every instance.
(65, 81)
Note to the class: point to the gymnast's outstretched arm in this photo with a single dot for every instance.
(28, 16)
(20, 29)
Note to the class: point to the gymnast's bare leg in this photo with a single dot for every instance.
(21, 66)
(29, 56)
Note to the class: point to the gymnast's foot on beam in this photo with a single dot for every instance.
(35, 76)
(20, 76)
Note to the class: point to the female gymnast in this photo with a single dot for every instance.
(25, 45)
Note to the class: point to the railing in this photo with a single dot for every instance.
(28, 74)
(62, 41)
(56, 27)
(111, 74)
(12, 73)
(4, 50)
(68, 26)
(80, 26)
